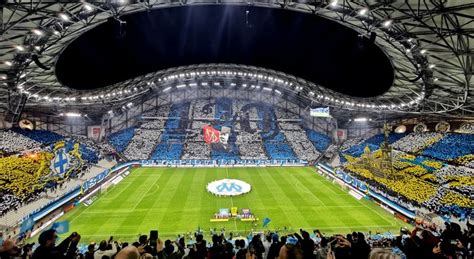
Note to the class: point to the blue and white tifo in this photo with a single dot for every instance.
(228, 187)
(60, 163)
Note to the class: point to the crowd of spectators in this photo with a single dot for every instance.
(250, 145)
(299, 142)
(451, 146)
(429, 243)
(27, 176)
(320, 141)
(428, 169)
(120, 139)
(414, 142)
(255, 133)
(143, 142)
(42, 136)
(348, 143)
(12, 142)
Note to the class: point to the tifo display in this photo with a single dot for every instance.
(228, 187)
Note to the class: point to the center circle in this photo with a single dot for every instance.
(228, 187)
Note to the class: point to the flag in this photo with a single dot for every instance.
(27, 224)
(61, 227)
(266, 221)
(211, 135)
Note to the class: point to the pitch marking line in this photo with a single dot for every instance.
(144, 195)
(231, 199)
(370, 209)
(155, 191)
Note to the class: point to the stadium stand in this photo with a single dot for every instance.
(223, 116)
(429, 167)
(320, 141)
(31, 180)
(12, 142)
(451, 146)
(414, 142)
(42, 136)
(120, 139)
(175, 132)
(299, 142)
(172, 139)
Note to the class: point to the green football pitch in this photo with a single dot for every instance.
(175, 201)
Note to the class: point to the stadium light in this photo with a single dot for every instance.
(19, 47)
(64, 17)
(8, 63)
(73, 114)
(431, 66)
(88, 7)
(361, 119)
(363, 11)
(423, 51)
(333, 3)
(387, 23)
(38, 32)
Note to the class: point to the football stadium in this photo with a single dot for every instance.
(236, 129)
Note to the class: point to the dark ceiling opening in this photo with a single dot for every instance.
(304, 45)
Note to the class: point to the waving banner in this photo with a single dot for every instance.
(211, 135)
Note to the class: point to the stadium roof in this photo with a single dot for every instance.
(428, 42)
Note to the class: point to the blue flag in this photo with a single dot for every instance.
(266, 221)
(61, 227)
(27, 224)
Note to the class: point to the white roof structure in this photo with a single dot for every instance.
(430, 44)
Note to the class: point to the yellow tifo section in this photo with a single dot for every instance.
(24, 174)
(21, 174)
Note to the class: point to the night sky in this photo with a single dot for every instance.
(303, 45)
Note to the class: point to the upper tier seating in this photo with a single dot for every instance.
(12, 142)
(320, 141)
(42, 136)
(120, 139)
(171, 141)
(451, 146)
(414, 142)
(299, 142)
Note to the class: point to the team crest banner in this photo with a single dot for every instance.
(60, 162)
